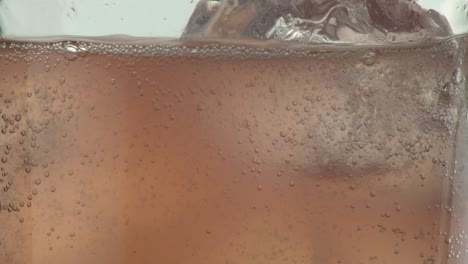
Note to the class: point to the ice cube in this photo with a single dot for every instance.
(316, 21)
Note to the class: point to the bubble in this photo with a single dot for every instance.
(457, 76)
(38, 181)
(52, 189)
(292, 184)
(259, 187)
(21, 220)
(368, 59)
(72, 51)
(34, 192)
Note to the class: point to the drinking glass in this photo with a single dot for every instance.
(234, 132)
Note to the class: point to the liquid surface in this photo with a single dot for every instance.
(148, 154)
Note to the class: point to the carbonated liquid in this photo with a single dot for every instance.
(209, 153)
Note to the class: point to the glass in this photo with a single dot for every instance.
(271, 132)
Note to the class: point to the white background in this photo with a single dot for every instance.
(37, 18)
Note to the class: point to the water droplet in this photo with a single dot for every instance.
(292, 184)
(259, 187)
(21, 220)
